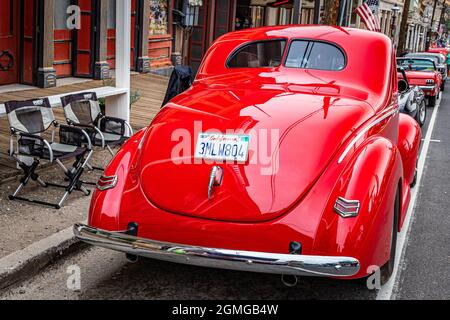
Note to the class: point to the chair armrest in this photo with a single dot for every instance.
(27, 135)
(125, 124)
(22, 135)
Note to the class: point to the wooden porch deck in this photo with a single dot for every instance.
(152, 88)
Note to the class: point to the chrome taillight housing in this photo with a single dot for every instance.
(347, 208)
(107, 182)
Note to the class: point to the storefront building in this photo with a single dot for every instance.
(40, 41)
(200, 22)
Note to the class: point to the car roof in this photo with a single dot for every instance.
(300, 31)
(431, 54)
(414, 58)
(360, 46)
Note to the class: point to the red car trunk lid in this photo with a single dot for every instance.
(293, 137)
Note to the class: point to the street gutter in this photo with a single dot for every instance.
(23, 264)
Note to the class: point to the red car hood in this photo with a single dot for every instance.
(308, 130)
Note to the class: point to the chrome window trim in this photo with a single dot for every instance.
(364, 131)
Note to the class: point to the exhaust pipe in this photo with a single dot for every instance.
(132, 258)
(133, 228)
(289, 280)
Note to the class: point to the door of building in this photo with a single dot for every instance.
(225, 11)
(84, 40)
(215, 18)
(9, 42)
(198, 43)
(28, 33)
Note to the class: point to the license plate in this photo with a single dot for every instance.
(222, 147)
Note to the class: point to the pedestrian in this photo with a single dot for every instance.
(448, 62)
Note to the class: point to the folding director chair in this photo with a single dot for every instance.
(29, 121)
(82, 110)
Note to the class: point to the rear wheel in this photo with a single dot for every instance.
(421, 113)
(432, 101)
(388, 268)
(414, 182)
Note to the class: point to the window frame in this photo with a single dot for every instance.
(344, 54)
(247, 44)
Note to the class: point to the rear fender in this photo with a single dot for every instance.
(105, 205)
(409, 139)
(372, 176)
(409, 136)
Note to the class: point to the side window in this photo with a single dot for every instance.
(263, 54)
(315, 55)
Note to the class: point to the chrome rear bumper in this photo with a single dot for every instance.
(427, 88)
(287, 264)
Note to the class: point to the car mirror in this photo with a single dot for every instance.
(402, 86)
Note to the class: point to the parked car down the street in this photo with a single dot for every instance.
(423, 73)
(439, 59)
(328, 200)
(411, 99)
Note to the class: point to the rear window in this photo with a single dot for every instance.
(317, 55)
(416, 64)
(263, 54)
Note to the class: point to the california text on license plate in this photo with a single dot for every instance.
(222, 147)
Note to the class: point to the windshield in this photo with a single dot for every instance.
(416, 64)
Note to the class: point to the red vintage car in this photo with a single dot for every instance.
(423, 73)
(287, 155)
(443, 51)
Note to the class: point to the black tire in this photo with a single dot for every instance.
(388, 268)
(414, 182)
(421, 117)
(432, 101)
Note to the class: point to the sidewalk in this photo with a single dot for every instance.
(23, 224)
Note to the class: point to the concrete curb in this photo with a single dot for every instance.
(25, 263)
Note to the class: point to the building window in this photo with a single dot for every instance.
(159, 18)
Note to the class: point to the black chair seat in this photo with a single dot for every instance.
(63, 151)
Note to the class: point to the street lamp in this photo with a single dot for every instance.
(395, 9)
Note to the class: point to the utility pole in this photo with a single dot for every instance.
(428, 42)
(403, 28)
(316, 12)
(442, 18)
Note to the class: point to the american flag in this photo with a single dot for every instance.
(368, 12)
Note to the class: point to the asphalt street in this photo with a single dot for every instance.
(424, 271)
